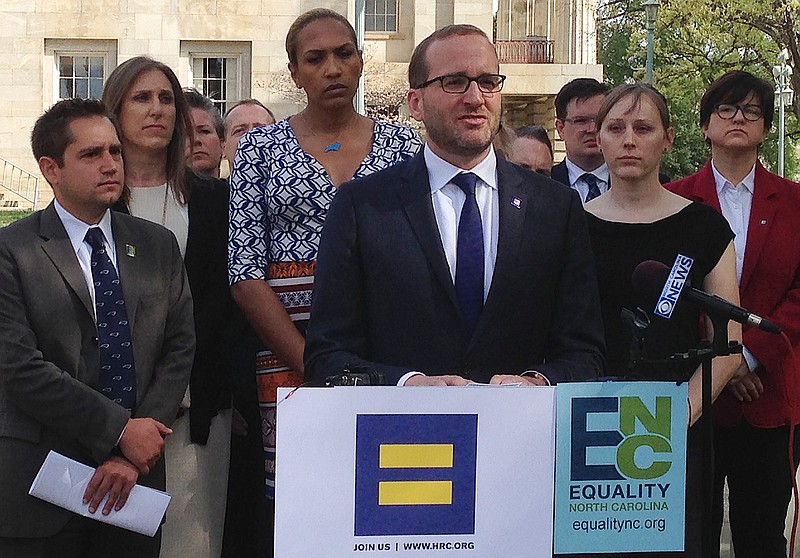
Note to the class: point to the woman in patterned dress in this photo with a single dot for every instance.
(284, 177)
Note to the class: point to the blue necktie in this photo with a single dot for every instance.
(117, 372)
(469, 254)
(591, 182)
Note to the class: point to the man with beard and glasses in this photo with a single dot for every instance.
(455, 266)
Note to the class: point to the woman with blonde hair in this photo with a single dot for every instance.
(639, 220)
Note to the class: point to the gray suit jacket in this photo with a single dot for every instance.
(49, 360)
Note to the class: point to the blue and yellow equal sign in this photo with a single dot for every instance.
(415, 456)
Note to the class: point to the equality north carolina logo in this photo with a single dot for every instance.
(653, 446)
(415, 474)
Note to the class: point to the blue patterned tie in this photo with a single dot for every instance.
(591, 182)
(469, 254)
(117, 372)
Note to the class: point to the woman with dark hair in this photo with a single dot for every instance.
(156, 126)
(282, 183)
(638, 220)
(753, 416)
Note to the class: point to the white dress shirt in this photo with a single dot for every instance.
(736, 201)
(574, 173)
(76, 230)
(448, 200)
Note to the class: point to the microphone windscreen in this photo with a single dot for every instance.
(648, 279)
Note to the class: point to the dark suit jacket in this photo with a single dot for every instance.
(384, 297)
(560, 174)
(50, 362)
(218, 320)
(770, 287)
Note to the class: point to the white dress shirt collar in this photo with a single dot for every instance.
(76, 229)
(440, 172)
(574, 172)
(749, 181)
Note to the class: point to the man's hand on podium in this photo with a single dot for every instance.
(422, 380)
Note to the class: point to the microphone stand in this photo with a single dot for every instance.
(703, 355)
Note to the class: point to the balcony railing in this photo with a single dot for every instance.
(529, 51)
(19, 181)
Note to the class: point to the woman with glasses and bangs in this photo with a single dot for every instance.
(638, 220)
(754, 415)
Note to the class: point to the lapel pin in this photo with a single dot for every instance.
(516, 202)
(763, 221)
(130, 250)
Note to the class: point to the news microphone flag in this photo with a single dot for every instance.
(674, 286)
(415, 474)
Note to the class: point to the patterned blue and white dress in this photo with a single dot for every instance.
(279, 198)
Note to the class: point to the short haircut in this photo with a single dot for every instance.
(637, 91)
(307, 18)
(733, 88)
(199, 101)
(418, 65)
(255, 102)
(535, 132)
(52, 133)
(116, 88)
(580, 89)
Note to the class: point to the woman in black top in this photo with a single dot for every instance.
(638, 220)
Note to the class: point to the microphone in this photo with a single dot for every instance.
(650, 278)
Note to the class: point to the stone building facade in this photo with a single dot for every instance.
(234, 49)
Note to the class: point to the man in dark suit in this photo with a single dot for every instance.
(455, 265)
(583, 169)
(753, 414)
(99, 390)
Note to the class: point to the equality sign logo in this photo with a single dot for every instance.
(415, 474)
(621, 467)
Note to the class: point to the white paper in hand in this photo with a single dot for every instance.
(62, 481)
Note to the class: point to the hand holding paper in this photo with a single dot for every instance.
(64, 482)
(115, 478)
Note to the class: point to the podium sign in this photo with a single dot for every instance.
(621, 476)
(368, 471)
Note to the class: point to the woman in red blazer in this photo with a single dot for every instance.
(754, 413)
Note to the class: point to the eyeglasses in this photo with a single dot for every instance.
(458, 83)
(750, 112)
(581, 121)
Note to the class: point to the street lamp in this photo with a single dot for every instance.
(651, 13)
(783, 91)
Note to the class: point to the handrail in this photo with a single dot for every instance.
(19, 181)
(528, 51)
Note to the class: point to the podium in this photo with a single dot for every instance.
(476, 471)
(433, 471)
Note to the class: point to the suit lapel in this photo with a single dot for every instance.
(127, 265)
(765, 203)
(512, 208)
(415, 195)
(59, 249)
(705, 188)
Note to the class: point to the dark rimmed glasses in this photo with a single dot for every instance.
(459, 83)
(750, 112)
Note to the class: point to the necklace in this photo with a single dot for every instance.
(164, 209)
(336, 145)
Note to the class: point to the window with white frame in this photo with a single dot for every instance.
(80, 67)
(219, 70)
(380, 16)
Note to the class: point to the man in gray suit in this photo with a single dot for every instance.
(61, 387)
